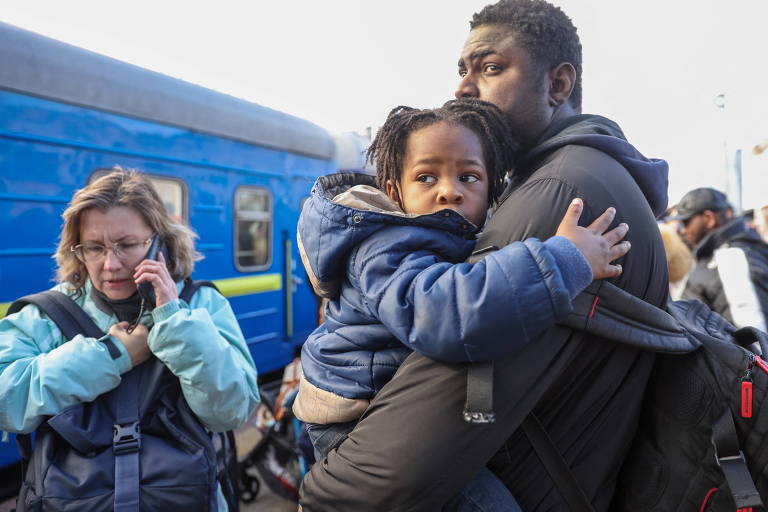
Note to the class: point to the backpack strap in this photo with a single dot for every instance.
(68, 316)
(126, 442)
(554, 463)
(479, 405)
(731, 460)
(191, 287)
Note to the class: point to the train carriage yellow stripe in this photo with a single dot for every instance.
(237, 286)
(233, 287)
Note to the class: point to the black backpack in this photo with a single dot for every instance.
(702, 440)
(137, 447)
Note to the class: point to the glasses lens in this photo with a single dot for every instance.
(89, 252)
(129, 251)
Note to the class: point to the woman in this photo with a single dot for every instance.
(192, 365)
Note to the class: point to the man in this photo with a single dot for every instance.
(731, 272)
(412, 449)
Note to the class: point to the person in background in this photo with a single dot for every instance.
(679, 258)
(204, 360)
(731, 272)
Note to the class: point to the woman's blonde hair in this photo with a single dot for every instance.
(123, 187)
(679, 256)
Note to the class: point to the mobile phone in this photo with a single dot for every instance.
(147, 290)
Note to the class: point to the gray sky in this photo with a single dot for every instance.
(654, 66)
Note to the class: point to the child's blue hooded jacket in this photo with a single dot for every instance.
(394, 287)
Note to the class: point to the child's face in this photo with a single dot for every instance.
(444, 168)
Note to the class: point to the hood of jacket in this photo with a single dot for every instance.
(650, 174)
(346, 208)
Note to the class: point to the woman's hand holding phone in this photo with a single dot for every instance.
(156, 273)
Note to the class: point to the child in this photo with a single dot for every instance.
(390, 259)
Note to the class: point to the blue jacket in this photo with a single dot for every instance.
(396, 285)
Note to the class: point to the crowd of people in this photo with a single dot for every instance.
(450, 277)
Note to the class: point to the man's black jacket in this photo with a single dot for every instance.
(412, 450)
(748, 287)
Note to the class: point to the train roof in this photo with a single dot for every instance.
(40, 66)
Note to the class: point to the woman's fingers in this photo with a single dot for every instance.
(603, 221)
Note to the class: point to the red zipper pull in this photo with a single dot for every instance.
(762, 364)
(746, 399)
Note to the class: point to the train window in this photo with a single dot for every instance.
(253, 228)
(172, 192)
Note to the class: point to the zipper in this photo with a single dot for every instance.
(746, 386)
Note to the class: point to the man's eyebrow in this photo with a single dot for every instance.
(479, 54)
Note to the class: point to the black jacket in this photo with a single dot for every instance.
(747, 287)
(590, 409)
(412, 450)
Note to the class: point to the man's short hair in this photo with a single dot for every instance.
(543, 30)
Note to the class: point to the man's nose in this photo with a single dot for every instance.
(467, 88)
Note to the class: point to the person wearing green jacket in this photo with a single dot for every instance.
(108, 228)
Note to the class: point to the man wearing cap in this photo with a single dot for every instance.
(731, 272)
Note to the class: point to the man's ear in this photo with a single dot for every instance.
(562, 79)
(710, 219)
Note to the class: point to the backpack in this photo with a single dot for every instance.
(700, 445)
(137, 447)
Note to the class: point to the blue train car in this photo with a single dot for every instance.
(235, 171)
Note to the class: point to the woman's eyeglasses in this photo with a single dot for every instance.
(125, 251)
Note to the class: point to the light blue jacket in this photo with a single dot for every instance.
(41, 373)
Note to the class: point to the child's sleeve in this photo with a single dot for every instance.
(457, 312)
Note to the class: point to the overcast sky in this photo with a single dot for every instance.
(655, 66)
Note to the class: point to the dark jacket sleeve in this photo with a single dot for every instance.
(434, 307)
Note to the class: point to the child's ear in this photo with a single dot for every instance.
(391, 191)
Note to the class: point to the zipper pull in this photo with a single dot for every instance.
(746, 399)
(762, 364)
(746, 388)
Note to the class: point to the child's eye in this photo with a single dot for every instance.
(469, 178)
(425, 178)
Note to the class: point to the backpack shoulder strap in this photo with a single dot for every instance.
(191, 287)
(557, 467)
(63, 311)
(67, 315)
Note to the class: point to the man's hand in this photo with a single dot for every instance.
(599, 248)
(135, 343)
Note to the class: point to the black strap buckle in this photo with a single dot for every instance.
(126, 438)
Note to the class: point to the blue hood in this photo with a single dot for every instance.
(650, 174)
(346, 208)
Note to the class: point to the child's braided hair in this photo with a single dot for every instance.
(387, 151)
